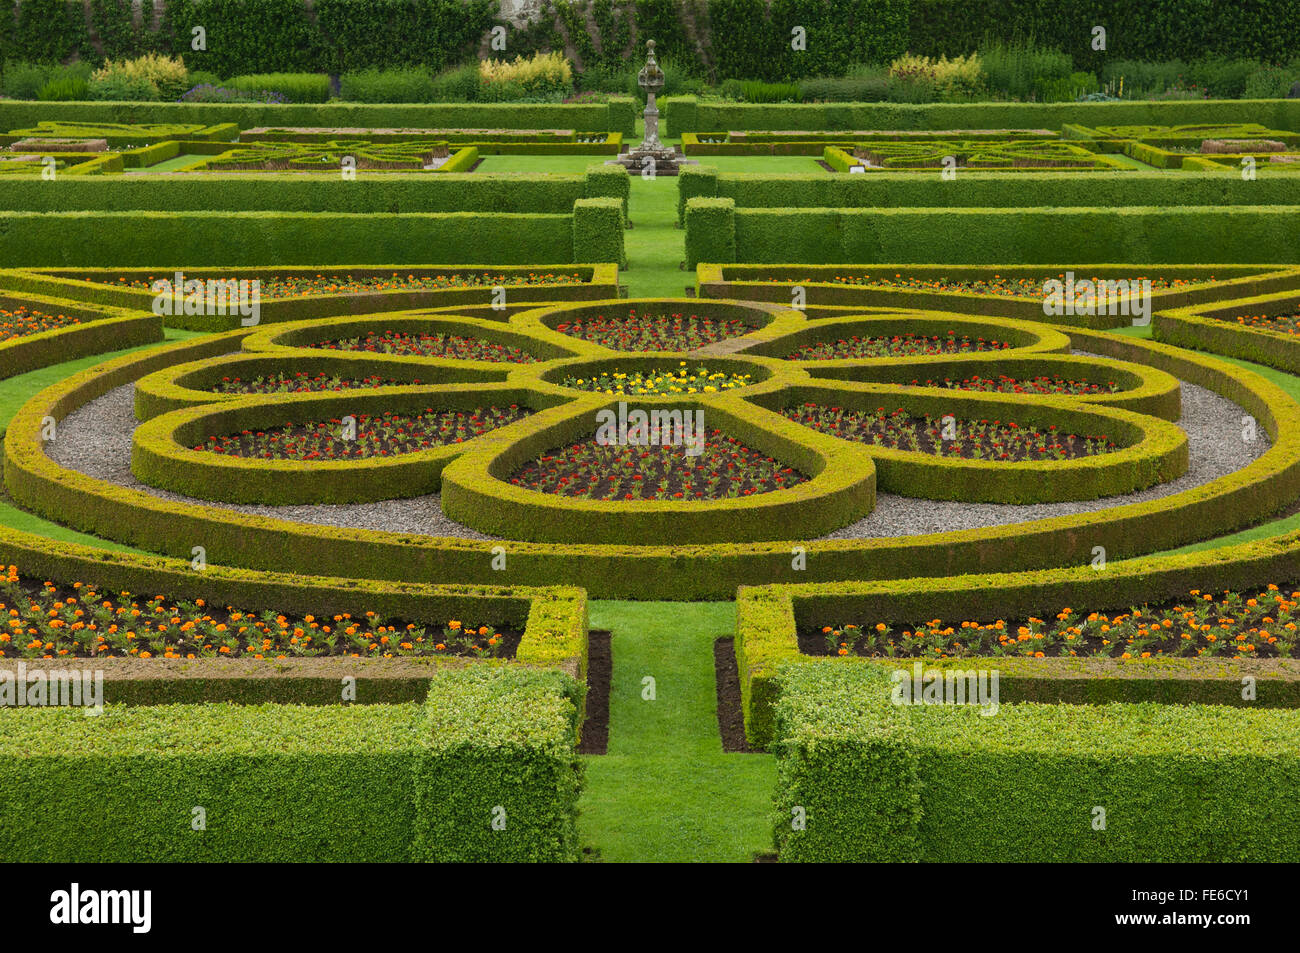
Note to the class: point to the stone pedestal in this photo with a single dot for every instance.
(651, 152)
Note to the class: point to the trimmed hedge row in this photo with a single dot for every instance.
(102, 286)
(971, 189)
(883, 782)
(618, 115)
(652, 571)
(167, 239)
(775, 283)
(101, 331)
(989, 236)
(290, 783)
(1214, 328)
(688, 114)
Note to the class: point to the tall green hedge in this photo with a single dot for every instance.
(875, 781)
(288, 783)
(993, 236)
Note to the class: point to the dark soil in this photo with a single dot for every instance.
(731, 716)
(595, 730)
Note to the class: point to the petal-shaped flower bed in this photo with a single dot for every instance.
(301, 382)
(724, 468)
(378, 435)
(441, 345)
(684, 379)
(653, 330)
(48, 621)
(21, 322)
(898, 345)
(1003, 384)
(1020, 286)
(982, 439)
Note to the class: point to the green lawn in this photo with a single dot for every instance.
(666, 791)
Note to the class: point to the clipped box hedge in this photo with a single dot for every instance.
(1214, 328)
(991, 236)
(291, 783)
(99, 332)
(883, 782)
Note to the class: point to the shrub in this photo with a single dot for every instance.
(757, 91)
(412, 85)
(66, 88)
(168, 76)
(120, 88)
(295, 87)
(543, 74)
(1018, 70)
(1268, 82)
(31, 80)
(207, 93)
(848, 89)
(962, 76)
(1142, 79)
(459, 85)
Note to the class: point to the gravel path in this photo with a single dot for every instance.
(96, 440)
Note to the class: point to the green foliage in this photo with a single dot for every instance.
(295, 87)
(1020, 70)
(413, 85)
(598, 230)
(710, 230)
(68, 88)
(286, 783)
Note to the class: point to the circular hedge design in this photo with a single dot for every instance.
(545, 471)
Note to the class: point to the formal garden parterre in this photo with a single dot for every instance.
(335, 429)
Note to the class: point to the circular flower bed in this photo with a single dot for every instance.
(653, 332)
(970, 439)
(381, 435)
(82, 620)
(683, 380)
(21, 322)
(1235, 625)
(1033, 385)
(300, 382)
(899, 345)
(449, 346)
(725, 469)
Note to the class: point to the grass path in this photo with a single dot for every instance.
(666, 791)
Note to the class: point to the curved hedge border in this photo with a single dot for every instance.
(102, 330)
(101, 286)
(743, 281)
(1214, 328)
(662, 571)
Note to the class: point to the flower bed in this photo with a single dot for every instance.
(660, 383)
(299, 286)
(654, 332)
(726, 469)
(899, 345)
(971, 439)
(1278, 323)
(301, 382)
(1009, 287)
(449, 346)
(83, 620)
(21, 322)
(1002, 384)
(377, 435)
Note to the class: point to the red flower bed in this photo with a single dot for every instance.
(1034, 385)
(654, 332)
(588, 470)
(900, 345)
(382, 435)
(297, 286)
(451, 346)
(971, 439)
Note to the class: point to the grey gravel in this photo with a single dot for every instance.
(96, 440)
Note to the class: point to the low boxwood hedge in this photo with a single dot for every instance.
(275, 783)
(869, 780)
(99, 331)
(1215, 328)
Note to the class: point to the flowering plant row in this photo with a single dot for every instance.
(654, 332)
(298, 286)
(1231, 625)
(899, 345)
(679, 381)
(376, 435)
(21, 322)
(1280, 323)
(45, 621)
(1009, 287)
(971, 439)
(449, 346)
(300, 382)
(1002, 384)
